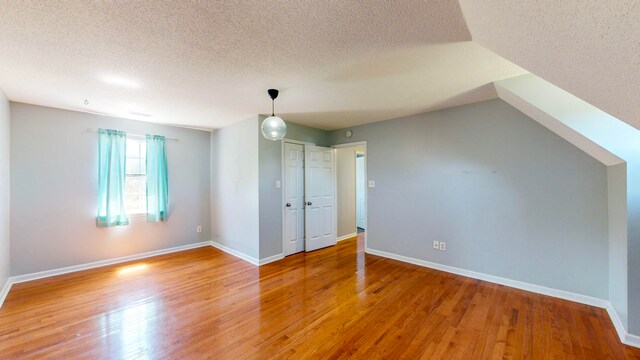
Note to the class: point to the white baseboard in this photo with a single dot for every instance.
(631, 340)
(583, 299)
(271, 259)
(625, 338)
(235, 253)
(617, 322)
(65, 270)
(246, 257)
(5, 291)
(96, 264)
(348, 236)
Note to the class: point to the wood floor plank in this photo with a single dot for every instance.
(335, 303)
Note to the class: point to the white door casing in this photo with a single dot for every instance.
(294, 198)
(360, 189)
(320, 197)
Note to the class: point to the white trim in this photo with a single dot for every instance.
(5, 291)
(246, 257)
(101, 263)
(351, 144)
(617, 323)
(235, 253)
(271, 259)
(297, 142)
(631, 340)
(583, 299)
(348, 236)
(556, 125)
(625, 337)
(335, 196)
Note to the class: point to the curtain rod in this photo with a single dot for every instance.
(134, 135)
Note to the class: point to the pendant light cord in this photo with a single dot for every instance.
(272, 107)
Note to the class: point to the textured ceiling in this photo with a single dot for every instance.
(398, 84)
(206, 65)
(589, 48)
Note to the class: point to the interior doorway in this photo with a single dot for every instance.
(360, 191)
(309, 197)
(351, 190)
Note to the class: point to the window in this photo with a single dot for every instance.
(135, 194)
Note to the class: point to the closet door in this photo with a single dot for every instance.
(320, 197)
(294, 198)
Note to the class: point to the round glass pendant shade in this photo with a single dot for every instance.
(273, 128)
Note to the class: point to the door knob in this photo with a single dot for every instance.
(288, 205)
(309, 203)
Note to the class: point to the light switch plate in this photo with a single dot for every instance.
(278, 184)
(372, 183)
(436, 244)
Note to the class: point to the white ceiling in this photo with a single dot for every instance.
(590, 48)
(207, 65)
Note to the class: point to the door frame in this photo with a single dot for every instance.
(282, 187)
(366, 187)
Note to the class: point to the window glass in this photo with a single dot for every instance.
(135, 195)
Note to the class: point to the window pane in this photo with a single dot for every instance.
(143, 166)
(135, 185)
(143, 158)
(143, 187)
(132, 203)
(133, 166)
(133, 148)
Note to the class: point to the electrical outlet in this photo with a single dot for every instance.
(199, 228)
(443, 246)
(436, 245)
(278, 184)
(372, 183)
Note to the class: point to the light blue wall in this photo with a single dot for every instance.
(307, 134)
(509, 197)
(235, 186)
(54, 190)
(270, 171)
(614, 142)
(5, 171)
(618, 233)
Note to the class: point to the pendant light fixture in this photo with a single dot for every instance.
(273, 127)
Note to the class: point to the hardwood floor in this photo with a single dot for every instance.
(334, 303)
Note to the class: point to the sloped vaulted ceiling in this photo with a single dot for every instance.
(209, 64)
(589, 48)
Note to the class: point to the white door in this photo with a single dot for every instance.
(360, 191)
(294, 198)
(320, 196)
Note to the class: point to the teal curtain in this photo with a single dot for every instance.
(112, 149)
(157, 179)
